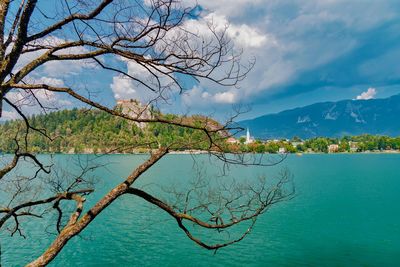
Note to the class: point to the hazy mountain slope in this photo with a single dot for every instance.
(331, 119)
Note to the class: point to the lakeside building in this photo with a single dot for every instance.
(333, 148)
(273, 140)
(232, 140)
(295, 144)
(282, 150)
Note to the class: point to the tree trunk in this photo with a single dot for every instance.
(72, 230)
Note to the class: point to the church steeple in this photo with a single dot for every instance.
(248, 137)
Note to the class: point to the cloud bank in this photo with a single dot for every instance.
(369, 94)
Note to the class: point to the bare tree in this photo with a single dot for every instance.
(153, 36)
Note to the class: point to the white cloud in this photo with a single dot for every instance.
(288, 38)
(225, 97)
(9, 115)
(67, 68)
(57, 68)
(47, 97)
(27, 102)
(198, 97)
(195, 97)
(369, 94)
(50, 81)
(242, 34)
(25, 99)
(123, 88)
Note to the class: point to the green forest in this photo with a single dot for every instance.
(345, 144)
(92, 131)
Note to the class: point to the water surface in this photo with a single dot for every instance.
(345, 213)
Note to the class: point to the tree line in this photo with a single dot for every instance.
(349, 144)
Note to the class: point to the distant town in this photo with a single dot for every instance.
(348, 144)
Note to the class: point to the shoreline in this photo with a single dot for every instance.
(199, 152)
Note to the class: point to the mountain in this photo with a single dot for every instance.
(331, 119)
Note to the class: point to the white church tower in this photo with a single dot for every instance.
(248, 137)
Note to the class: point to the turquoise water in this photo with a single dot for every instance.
(345, 213)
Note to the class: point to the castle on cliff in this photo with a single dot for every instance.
(135, 109)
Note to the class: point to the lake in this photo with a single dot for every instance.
(345, 213)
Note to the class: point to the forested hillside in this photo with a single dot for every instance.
(92, 131)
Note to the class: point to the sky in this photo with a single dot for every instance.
(306, 51)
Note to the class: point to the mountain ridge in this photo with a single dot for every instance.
(330, 119)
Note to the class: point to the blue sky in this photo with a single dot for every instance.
(307, 51)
